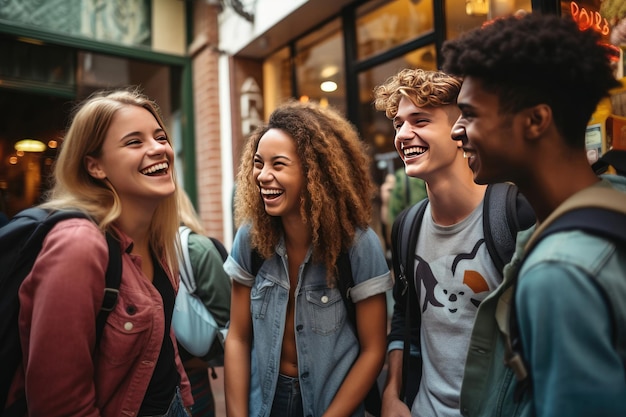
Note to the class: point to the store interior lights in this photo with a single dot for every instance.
(30, 145)
(490, 8)
(476, 7)
(328, 86)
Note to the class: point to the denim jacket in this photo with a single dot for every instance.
(566, 288)
(326, 343)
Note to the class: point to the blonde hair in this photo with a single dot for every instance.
(339, 189)
(74, 187)
(188, 214)
(423, 88)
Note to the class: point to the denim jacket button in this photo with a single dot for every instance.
(128, 326)
(324, 299)
(299, 327)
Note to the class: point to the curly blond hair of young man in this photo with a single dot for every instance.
(423, 88)
(339, 191)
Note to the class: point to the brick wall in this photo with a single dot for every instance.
(203, 50)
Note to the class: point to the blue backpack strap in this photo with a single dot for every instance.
(505, 212)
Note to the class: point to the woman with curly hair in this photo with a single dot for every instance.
(304, 197)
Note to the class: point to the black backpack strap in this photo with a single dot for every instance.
(220, 248)
(601, 222)
(404, 234)
(256, 261)
(505, 212)
(373, 401)
(345, 282)
(499, 219)
(113, 279)
(112, 276)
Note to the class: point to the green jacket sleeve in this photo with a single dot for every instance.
(406, 192)
(213, 285)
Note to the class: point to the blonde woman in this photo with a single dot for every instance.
(117, 165)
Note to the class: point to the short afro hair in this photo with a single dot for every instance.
(537, 59)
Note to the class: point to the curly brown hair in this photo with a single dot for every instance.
(339, 190)
(423, 88)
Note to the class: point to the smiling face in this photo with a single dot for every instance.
(422, 139)
(135, 158)
(491, 140)
(279, 175)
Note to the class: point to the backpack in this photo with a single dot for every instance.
(505, 212)
(195, 327)
(598, 211)
(20, 243)
(373, 401)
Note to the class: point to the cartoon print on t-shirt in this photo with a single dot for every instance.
(451, 291)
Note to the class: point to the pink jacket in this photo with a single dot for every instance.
(64, 372)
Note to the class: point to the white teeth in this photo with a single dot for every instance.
(415, 150)
(154, 168)
(270, 192)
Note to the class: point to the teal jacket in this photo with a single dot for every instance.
(571, 293)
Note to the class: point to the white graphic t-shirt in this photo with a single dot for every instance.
(455, 273)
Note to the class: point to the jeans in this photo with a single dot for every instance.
(176, 408)
(287, 400)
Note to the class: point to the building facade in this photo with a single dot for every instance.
(218, 68)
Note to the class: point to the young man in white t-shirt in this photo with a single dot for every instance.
(453, 269)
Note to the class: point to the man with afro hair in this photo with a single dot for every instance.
(530, 86)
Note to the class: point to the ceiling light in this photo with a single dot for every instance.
(328, 86)
(476, 7)
(30, 145)
(329, 71)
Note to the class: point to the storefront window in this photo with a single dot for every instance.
(463, 15)
(27, 61)
(94, 19)
(608, 18)
(320, 67)
(381, 25)
(35, 105)
(277, 71)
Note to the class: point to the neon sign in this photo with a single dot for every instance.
(589, 19)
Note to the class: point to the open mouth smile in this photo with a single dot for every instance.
(271, 193)
(468, 153)
(414, 151)
(156, 169)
